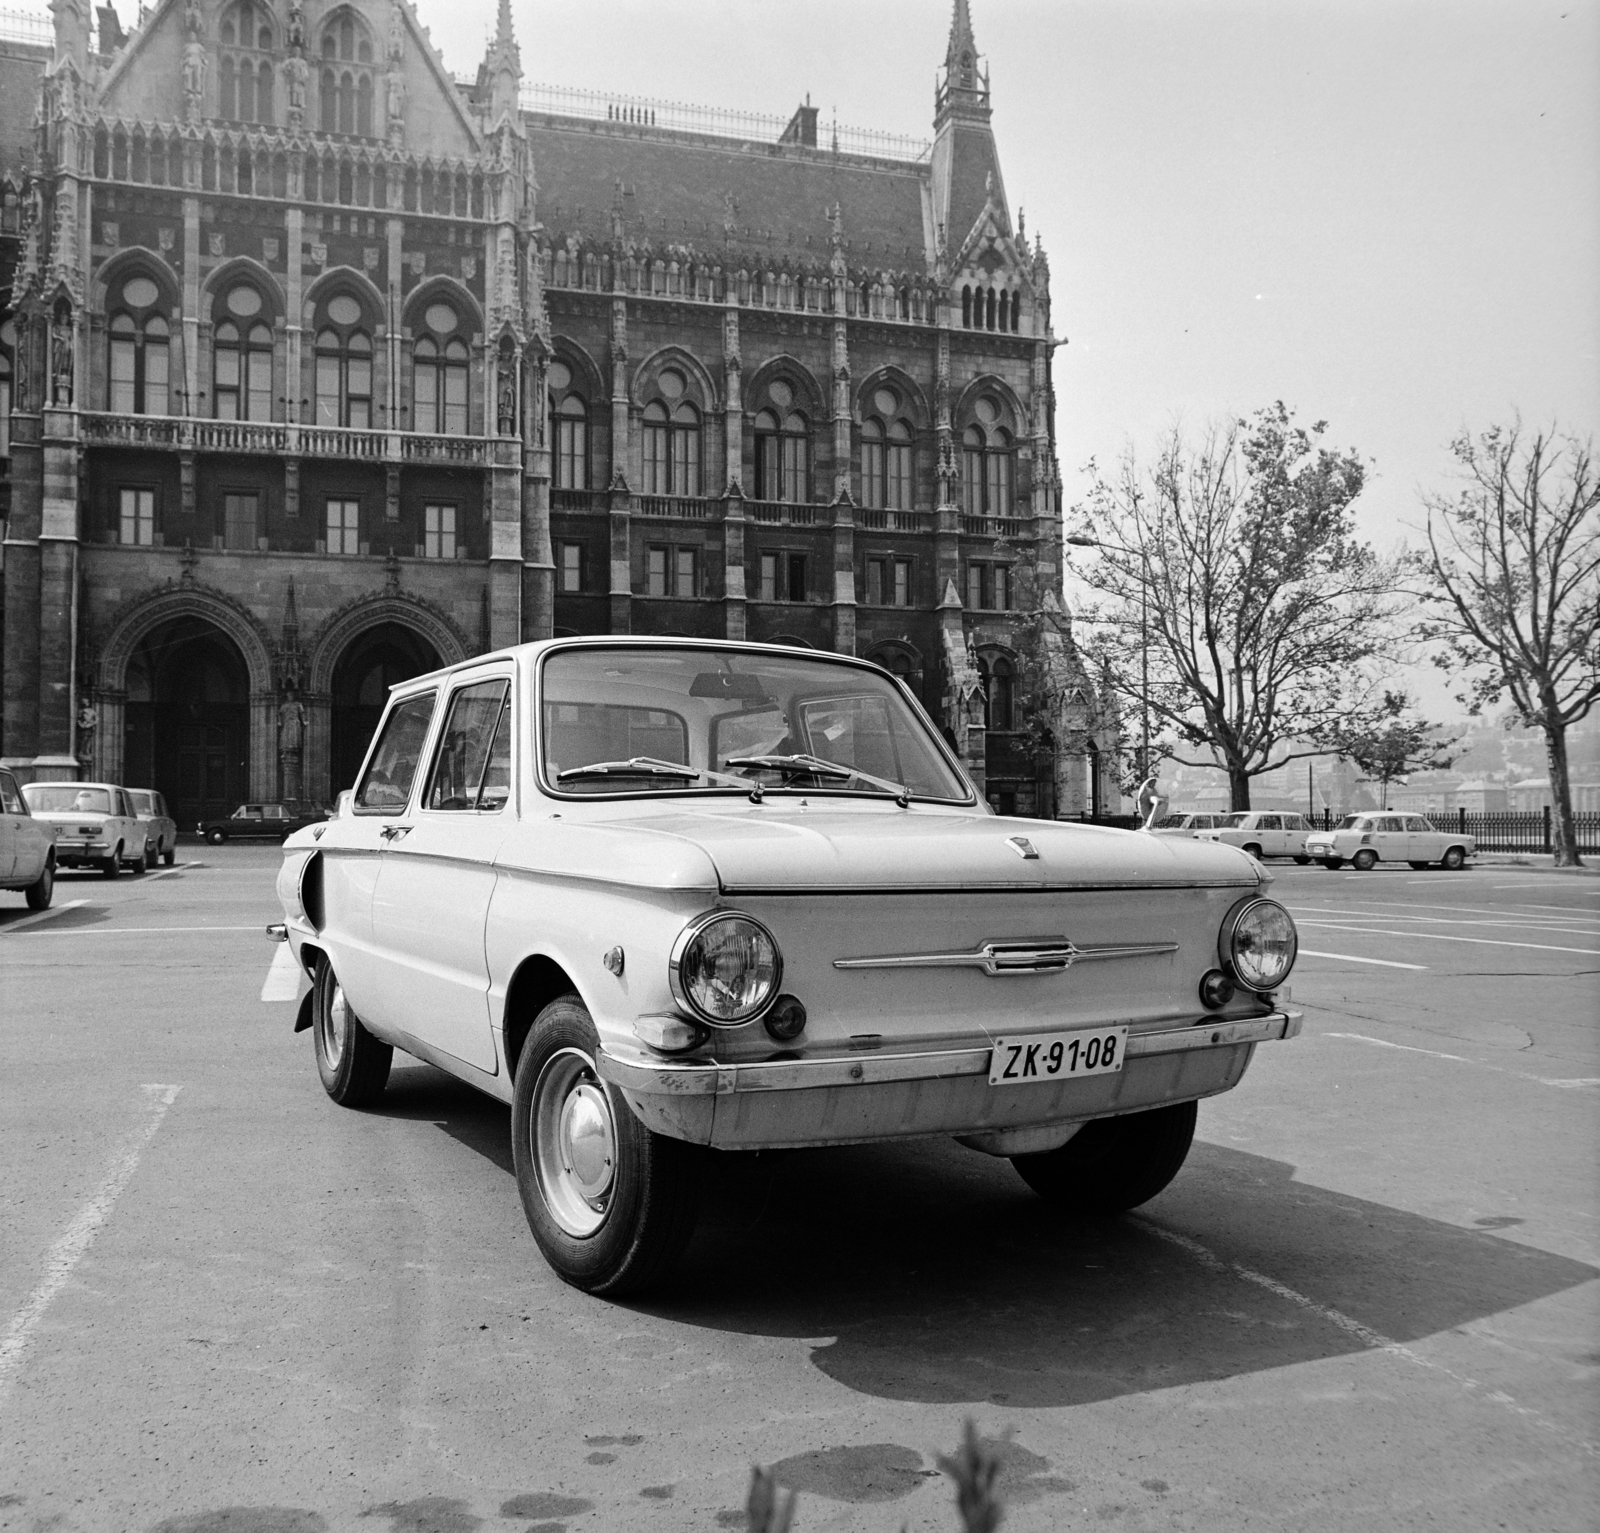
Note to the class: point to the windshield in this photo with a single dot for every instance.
(1236, 820)
(638, 720)
(1352, 822)
(66, 798)
(1173, 822)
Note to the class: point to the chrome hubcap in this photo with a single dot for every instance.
(573, 1141)
(335, 1026)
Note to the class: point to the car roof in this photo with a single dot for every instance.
(110, 787)
(531, 651)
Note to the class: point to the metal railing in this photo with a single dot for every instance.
(1497, 830)
(27, 27)
(280, 440)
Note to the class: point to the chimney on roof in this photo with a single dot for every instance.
(802, 127)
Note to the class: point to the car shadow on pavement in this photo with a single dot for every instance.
(938, 1277)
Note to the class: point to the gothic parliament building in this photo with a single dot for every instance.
(320, 368)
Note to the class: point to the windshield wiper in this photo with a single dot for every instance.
(814, 766)
(634, 766)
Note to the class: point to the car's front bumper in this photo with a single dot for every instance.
(887, 1094)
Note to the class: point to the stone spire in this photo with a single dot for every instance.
(964, 89)
(503, 65)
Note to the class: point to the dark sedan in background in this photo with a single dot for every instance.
(262, 822)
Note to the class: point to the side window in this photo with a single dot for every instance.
(468, 746)
(1416, 822)
(1267, 822)
(10, 798)
(385, 787)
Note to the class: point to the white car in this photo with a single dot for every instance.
(671, 897)
(95, 825)
(1365, 840)
(1264, 833)
(159, 826)
(1188, 823)
(27, 847)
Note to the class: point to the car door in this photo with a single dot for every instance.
(1390, 838)
(1295, 831)
(1266, 834)
(1423, 842)
(352, 849)
(438, 874)
(12, 814)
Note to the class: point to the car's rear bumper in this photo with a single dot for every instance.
(884, 1094)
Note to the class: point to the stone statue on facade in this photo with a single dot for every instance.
(61, 359)
(397, 33)
(194, 78)
(395, 104)
(296, 38)
(291, 724)
(88, 721)
(295, 73)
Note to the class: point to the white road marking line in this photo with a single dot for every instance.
(1570, 911)
(68, 1250)
(1476, 910)
(1378, 931)
(1573, 927)
(123, 931)
(1368, 1337)
(283, 977)
(1382, 963)
(1539, 885)
(1462, 1059)
(42, 915)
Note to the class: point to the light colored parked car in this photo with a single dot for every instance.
(1263, 833)
(1365, 840)
(1188, 823)
(95, 825)
(27, 847)
(670, 897)
(161, 830)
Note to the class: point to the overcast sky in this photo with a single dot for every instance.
(1386, 214)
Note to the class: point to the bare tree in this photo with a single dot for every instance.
(1513, 567)
(1396, 746)
(1237, 608)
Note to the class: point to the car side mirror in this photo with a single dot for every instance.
(341, 810)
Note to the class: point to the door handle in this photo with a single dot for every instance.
(394, 832)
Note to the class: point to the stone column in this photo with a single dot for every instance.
(111, 715)
(844, 534)
(58, 573)
(538, 557)
(619, 497)
(317, 754)
(262, 760)
(19, 732)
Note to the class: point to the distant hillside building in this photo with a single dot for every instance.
(323, 369)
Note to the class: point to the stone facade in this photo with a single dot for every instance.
(327, 368)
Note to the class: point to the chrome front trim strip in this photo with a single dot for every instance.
(637, 1070)
(1032, 955)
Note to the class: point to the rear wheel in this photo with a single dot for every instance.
(42, 890)
(1112, 1164)
(1302, 860)
(1365, 860)
(610, 1203)
(112, 865)
(1419, 866)
(216, 837)
(169, 856)
(354, 1065)
(1453, 858)
(1254, 851)
(1333, 864)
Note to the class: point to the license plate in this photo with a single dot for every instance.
(1057, 1056)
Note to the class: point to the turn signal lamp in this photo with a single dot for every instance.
(1216, 989)
(787, 1019)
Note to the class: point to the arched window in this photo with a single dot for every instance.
(997, 463)
(671, 449)
(244, 72)
(139, 337)
(242, 373)
(966, 307)
(439, 373)
(572, 444)
(988, 465)
(973, 443)
(783, 452)
(886, 477)
(347, 76)
(1016, 312)
(344, 366)
(872, 463)
(1002, 694)
(989, 309)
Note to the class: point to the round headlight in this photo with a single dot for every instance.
(1258, 942)
(725, 968)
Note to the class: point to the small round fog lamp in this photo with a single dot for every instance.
(787, 1019)
(1216, 989)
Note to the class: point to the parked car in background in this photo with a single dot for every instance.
(1365, 840)
(262, 822)
(671, 897)
(160, 829)
(27, 847)
(95, 825)
(1264, 833)
(1188, 823)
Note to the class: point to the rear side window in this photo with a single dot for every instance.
(385, 786)
(10, 798)
(471, 767)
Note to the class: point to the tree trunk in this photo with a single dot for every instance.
(1238, 787)
(1564, 832)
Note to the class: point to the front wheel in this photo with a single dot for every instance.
(354, 1065)
(42, 890)
(610, 1203)
(1453, 859)
(1112, 1164)
(1254, 851)
(1365, 860)
(112, 865)
(151, 856)
(216, 837)
(170, 856)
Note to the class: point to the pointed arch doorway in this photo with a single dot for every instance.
(375, 660)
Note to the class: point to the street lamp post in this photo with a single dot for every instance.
(1082, 540)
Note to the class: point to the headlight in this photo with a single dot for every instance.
(725, 968)
(1258, 942)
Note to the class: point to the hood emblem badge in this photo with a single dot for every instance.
(1023, 847)
(1029, 955)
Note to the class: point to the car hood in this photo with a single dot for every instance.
(787, 846)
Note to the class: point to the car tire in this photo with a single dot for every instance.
(42, 890)
(1254, 851)
(170, 856)
(111, 866)
(216, 837)
(1333, 864)
(151, 857)
(1112, 1164)
(611, 1204)
(353, 1064)
(1419, 866)
(1453, 859)
(1365, 860)
(1302, 860)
